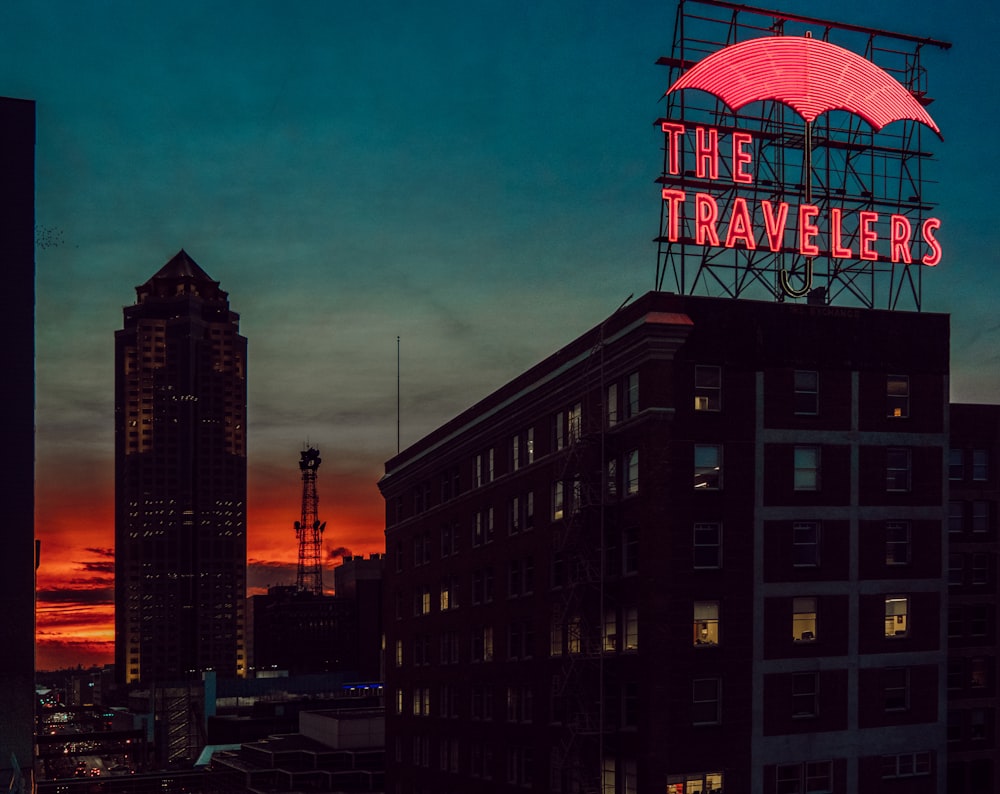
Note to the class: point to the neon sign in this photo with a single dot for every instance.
(741, 211)
(738, 228)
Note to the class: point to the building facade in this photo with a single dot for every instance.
(180, 480)
(17, 428)
(974, 490)
(699, 549)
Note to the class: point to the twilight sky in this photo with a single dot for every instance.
(475, 177)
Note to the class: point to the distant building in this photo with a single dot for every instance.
(972, 728)
(335, 750)
(300, 632)
(17, 428)
(180, 480)
(698, 549)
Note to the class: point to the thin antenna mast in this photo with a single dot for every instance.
(397, 395)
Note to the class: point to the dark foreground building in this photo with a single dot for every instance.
(699, 549)
(180, 480)
(17, 429)
(974, 491)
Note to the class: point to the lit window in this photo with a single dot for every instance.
(708, 467)
(805, 544)
(610, 630)
(980, 465)
(631, 615)
(632, 473)
(806, 398)
(515, 453)
(557, 501)
(956, 464)
(804, 623)
(897, 543)
(559, 431)
(697, 783)
(807, 468)
(399, 653)
(707, 388)
(897, 609)
(897, 469)
(804, 694)
(897, 394)
(896, 688)
(530, 445)
(706, 622)
(705, 699)
(574, 635)
(708, 545)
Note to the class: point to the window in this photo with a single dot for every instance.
(980, 465)
(956, 516)
(980, 516)
(708, 467)
(632, 396)
(610, 634)
(705, 701)
(897, 610)
(956, 564)
(806, 397)
(804, 623)
(707, 388)
(399, 653)
(706, 623)
(956, 464)
(807, 468)
(897, 469)
(630, 550)
(805, 544)
(812, 777)
(896, 688)
(708, 545)
(631, 615)
(980, 568)
(697, 783)
(612, 405)
(557, 501)
(897, 543)
(515, 453)
(559, 431)
(979, 673)
(805, 690)
(897, 396)
(632, 473)
(574, 422)
(906, 764)
(612, 481)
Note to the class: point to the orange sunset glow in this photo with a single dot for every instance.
(75, 523)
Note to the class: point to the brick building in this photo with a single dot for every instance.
(697, 549)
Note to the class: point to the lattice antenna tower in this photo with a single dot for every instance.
(309, 529)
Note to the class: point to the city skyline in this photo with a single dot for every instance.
(476, 182)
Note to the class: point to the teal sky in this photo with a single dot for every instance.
(475, 177)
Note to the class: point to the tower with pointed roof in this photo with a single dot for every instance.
(180, 480)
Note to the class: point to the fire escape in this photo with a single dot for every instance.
(577, 620)
(309, 529)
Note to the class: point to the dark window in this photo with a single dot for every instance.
(805, 543)
(897, 542)
(805, 690)
(705, 701)
(708, 545)
(956, 464)
(897, 469)
(806, 401)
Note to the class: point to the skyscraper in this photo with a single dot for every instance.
(180, 480)
(17, 428)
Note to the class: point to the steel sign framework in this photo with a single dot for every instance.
(822, 195)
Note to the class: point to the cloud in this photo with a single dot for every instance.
(74, 595)
(340, 551)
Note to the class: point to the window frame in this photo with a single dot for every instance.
(897, 396)
(711, 475)
(707, 388)
(807, 460)
(706, 554)
(805, 613)
(805, 396)
(894, 544)
(898, 472)
(896, 607)
(706, 624)
(706, 694)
